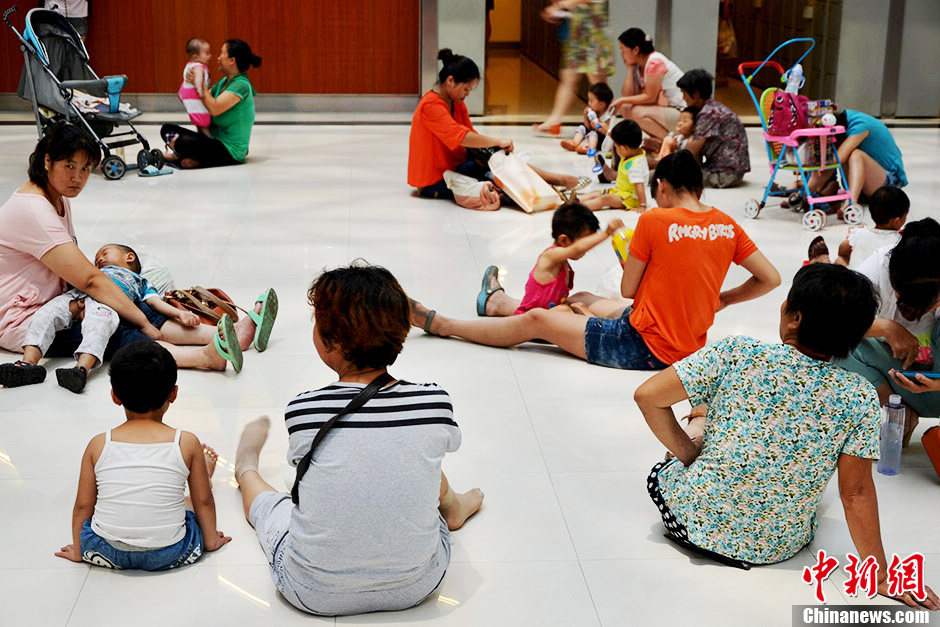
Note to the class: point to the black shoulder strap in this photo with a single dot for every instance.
(361, 399)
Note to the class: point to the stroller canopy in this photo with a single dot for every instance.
(55, 53)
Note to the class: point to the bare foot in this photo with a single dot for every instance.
(189, 163)
(253, 437)
(211, 458)
(245, 329)
(211, 358)
(170, 156)
(457, 508)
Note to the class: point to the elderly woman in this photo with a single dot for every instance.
(441, 132)
(232, 106)
(367, 525)
(39, 256)
(651, 96)
(782, 419)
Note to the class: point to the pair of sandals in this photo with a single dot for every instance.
(490, 286)
(226, 340)
(569, 196)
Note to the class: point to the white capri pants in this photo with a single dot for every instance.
(98, 326)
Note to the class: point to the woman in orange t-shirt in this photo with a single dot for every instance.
(668, 320)
(441, 132)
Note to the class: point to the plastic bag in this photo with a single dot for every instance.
(522, 184)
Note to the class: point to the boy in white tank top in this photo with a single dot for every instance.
(190, 93)
(130, 510)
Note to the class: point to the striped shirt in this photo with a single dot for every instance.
(368, 517)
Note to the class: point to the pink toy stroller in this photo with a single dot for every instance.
(806, 146)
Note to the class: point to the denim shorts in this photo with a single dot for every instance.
(67, 340)
(614, 343)
(98, 552)
(892, 180)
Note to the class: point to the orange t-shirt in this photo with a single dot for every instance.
(434, 143)
(687, 256)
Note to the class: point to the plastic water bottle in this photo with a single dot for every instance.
(892, 432)
(795, 79)
(593, 119)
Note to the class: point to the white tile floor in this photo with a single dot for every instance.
(567, 535)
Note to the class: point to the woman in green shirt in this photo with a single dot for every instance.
(231, 102)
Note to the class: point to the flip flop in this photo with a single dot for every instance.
(265, 319)
(429, 316)
(485, 291)
(228, 346)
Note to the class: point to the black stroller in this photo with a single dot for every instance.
(61, 85)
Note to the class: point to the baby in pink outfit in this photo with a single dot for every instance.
(575, 230)
(190, 93)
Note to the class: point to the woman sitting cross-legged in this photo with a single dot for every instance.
(782, 419)
(679, 257)
(368, 527)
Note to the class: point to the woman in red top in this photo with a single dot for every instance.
(441, 132)
(668, 319)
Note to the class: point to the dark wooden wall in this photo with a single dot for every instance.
(539, 39)
(307, 46)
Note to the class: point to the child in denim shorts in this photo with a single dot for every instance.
(130, 511)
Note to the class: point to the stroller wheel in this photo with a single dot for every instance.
(143, 159)
(751, 209)
(853, 214)
(156, 159)
(113, 168)
(814, 220)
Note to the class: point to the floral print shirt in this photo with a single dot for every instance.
(777, 423)
(725, 148)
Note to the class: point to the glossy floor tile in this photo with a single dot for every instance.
(567, 535)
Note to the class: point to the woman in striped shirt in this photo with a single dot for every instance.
(371, 526)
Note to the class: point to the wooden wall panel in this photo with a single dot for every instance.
(208, 23)
(307, 46)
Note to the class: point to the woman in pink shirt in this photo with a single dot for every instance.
(39, 256)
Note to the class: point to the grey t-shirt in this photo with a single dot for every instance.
(368, 517)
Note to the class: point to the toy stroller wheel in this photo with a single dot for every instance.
(853, 214)
(156, 159)
(143, 159)
(751, 209)
(814, 220)
(113, 168)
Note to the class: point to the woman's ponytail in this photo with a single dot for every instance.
(241, 52)
(461, 68)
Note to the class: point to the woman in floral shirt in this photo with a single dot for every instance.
(782, 418)
(719, 140)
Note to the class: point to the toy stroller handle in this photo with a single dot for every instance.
(750, 64)
(6, 15)
(767, 60)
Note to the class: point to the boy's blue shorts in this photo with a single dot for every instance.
(98, 552)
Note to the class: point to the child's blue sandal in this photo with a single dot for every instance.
(486, 291)
(226, 342)
(264, 320)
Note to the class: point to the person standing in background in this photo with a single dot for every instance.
(75, 11)
(585, 49)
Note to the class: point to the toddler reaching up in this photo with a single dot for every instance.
(190, 93)
(575, 230)
(130, 510)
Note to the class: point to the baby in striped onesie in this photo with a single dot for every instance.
(190, 93)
